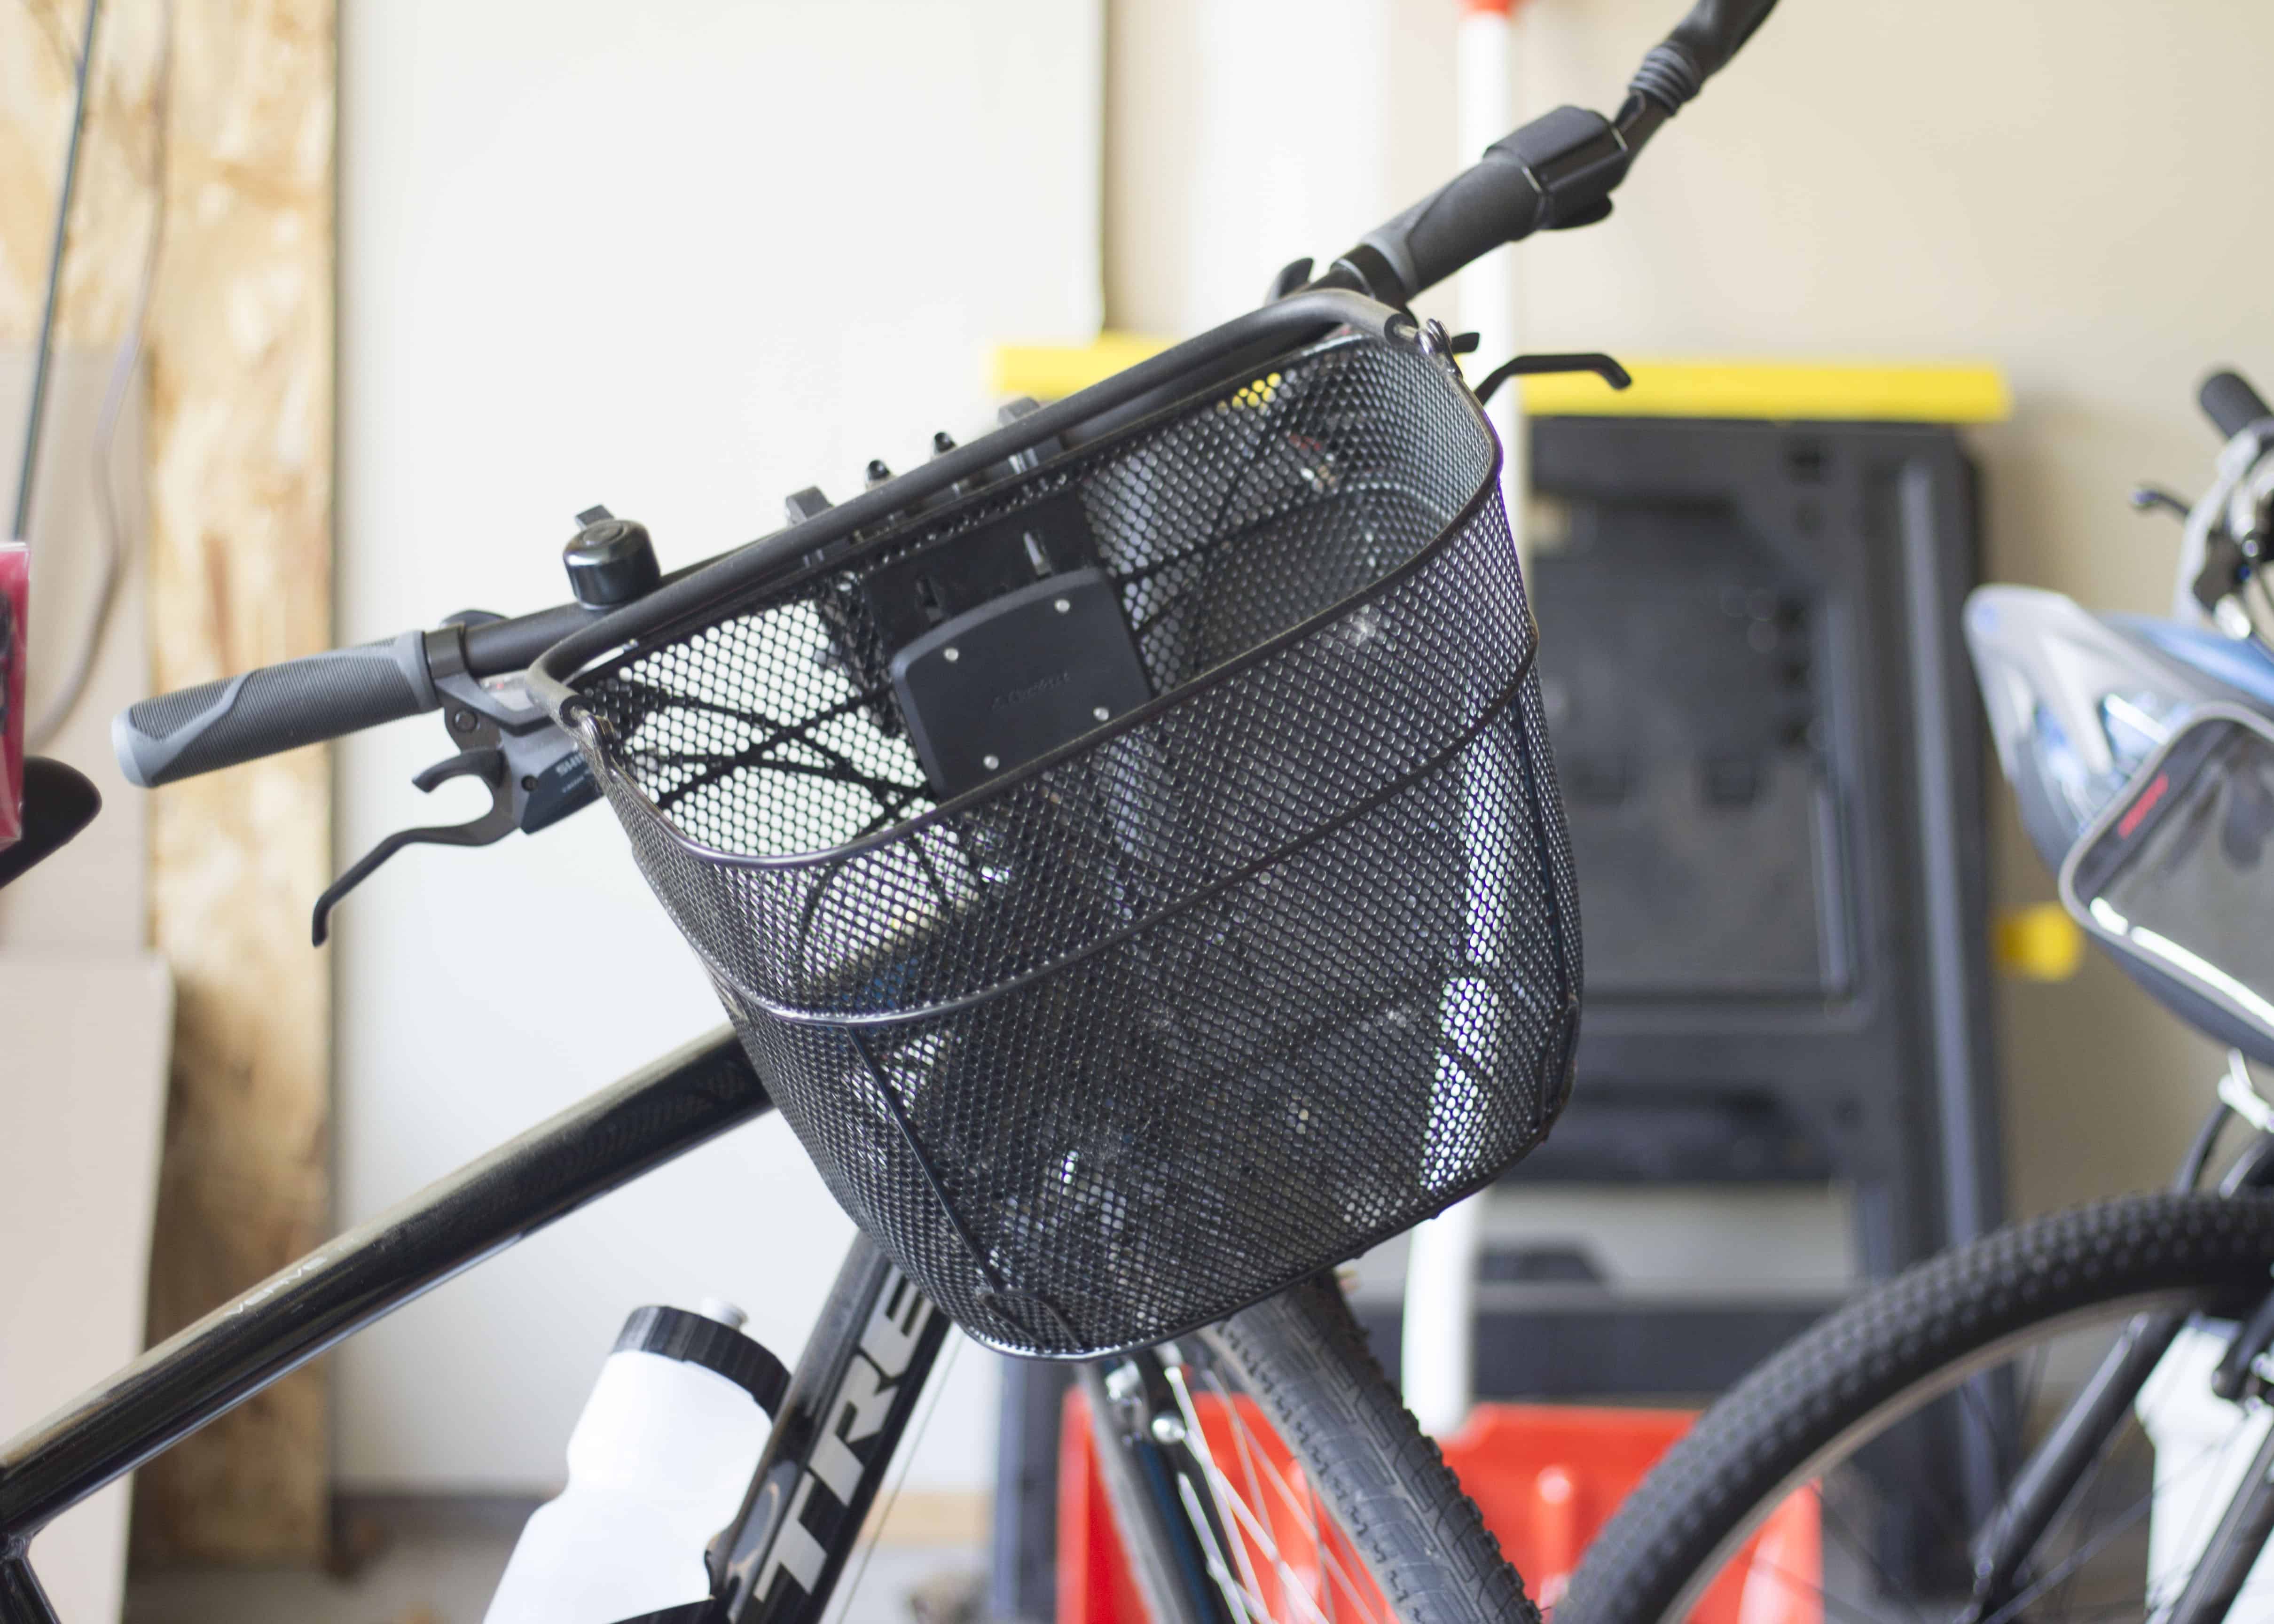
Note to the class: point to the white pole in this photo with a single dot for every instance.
(1440, 1265)
(1486, 94)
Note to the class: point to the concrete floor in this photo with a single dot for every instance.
(439, 1564)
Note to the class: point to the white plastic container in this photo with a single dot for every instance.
(658, 1463)
(2203, 1446)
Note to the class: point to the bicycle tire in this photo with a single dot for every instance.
(1889, 1347)
(1301, 1355)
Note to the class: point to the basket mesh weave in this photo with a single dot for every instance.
(1259, 974)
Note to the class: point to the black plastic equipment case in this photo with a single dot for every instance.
(1768, 739)
(1770, 748)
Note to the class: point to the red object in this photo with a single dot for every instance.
(15, 607)
(1547, 1476)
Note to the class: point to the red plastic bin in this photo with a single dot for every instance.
(1547, 1476)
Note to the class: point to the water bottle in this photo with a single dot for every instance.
(658, 1463)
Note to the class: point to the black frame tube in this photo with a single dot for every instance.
(22, 1601)
(855, 1389)
(604, 1141)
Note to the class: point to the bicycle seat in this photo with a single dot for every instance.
(58, 802)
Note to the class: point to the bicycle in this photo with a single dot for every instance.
(2142, 753)
(1127, 849)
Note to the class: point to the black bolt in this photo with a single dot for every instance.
(462, 720)
(877, 471)
(942, 442)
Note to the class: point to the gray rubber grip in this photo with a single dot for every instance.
(259, 713)
(2230, 402)
(1464, 219)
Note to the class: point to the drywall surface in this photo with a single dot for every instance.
(2068, 191)
(86, 1010)
(680, 259)
(83, 1044)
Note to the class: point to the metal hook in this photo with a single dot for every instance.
(1525, 366)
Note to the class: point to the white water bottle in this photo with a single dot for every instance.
(658, 1463)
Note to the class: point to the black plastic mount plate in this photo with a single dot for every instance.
(1017, 677)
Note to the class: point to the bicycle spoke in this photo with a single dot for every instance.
(2091, 1549)
(1827, 1517)
(1196, 1440)
(1833, 1606)
(2094, 1489)
(1332, 1571)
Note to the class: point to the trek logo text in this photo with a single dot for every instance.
(857, 1410)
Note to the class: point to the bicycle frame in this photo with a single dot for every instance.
(877, 1340)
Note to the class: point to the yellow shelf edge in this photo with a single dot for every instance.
(1781, 391)
(1052, 372)
(1774, 391)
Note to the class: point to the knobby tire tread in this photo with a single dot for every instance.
(1886, 1342)
(1307, 1363)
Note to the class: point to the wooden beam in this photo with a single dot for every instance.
(241, 575)
(240, 483)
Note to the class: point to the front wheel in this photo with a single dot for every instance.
(1268, 1470)
(2001, 1335)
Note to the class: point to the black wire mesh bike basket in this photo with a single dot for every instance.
(1139, 879)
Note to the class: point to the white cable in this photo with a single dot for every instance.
(125, 360)
(1485, 97)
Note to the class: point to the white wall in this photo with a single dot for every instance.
(682, 259)
(86, 1007)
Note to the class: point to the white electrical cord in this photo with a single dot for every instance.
(125, 361)
(1484, 98)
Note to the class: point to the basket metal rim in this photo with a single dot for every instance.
(1107, 406)
(1487, 488)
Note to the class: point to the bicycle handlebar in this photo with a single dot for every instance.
(1557, 171)
(2230, 402)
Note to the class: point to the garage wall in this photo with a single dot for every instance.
(681, 259)
(2073, 191)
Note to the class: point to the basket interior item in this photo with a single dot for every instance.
(1140, 880)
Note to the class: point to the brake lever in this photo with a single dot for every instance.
(483, 760)
(534, 775)
(2148, 498)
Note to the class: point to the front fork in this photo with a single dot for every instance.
(1143, 1423)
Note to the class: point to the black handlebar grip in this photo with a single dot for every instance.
(275, 707)
(2228, 401)
(1557, 170)
(1699, 46)
(1464, 219)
